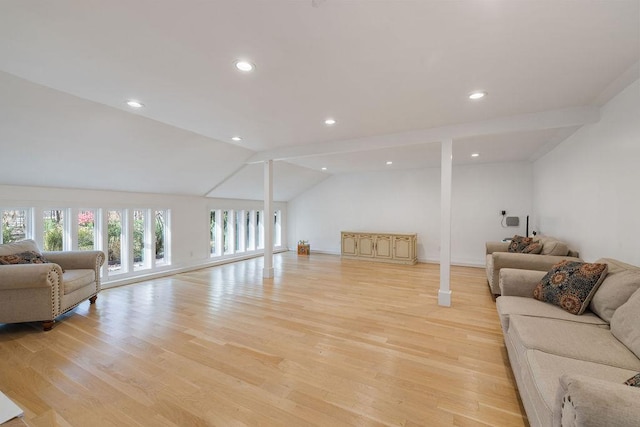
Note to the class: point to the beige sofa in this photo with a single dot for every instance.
(498, 257)
(570, 370)
(44, 291)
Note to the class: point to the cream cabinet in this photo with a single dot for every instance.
(384, 247)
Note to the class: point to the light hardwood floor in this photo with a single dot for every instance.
(327, 342)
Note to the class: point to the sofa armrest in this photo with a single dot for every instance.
(75, 260)
(591, 402)
(519, 283)
(27, 276)
(527, 261)
(492, 247)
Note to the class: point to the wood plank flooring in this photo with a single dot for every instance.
(327, 342)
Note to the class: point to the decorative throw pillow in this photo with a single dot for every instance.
(634, 381)
(520, 243)
(533, 248)
(571, 285)
(28, 257)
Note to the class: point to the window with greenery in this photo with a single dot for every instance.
(140, 260)
(226, 232)
(114, 241)
(213, 232)
(53, 221)
(14, 225)
(239, 231)
(161, 237)
(86, 230)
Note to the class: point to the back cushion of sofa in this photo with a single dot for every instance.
(555, 247)
(19, 247)
(621, 282)
(625, 323)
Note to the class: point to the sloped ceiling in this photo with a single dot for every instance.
(382, 69)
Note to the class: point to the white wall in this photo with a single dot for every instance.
(409, 201)
(587, 189)
(189, 215)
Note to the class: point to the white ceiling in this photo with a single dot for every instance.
(380, 68)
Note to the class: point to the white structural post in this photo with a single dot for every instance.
(444, 294)
(268, 219)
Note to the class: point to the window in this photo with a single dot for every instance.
(240, 231)
(250, 230)
(277, 228)
(140, 225)
(15, 225)
(54, 231)
(86, 230)
(214, 227)
(114, 241)
(160, 231)
(259, 229)
(227, 231)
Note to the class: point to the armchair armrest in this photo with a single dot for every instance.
(74, 260)
(592, 402)
(27, 276)
(492, 247)
(519, 283)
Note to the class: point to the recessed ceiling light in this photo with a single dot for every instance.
(245, 66)
(389, 163)
(324, 169)
(477, 95)
(236, 138)
(475, 155)
(330, 122)
(134, 104)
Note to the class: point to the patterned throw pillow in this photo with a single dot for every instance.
(28, 257)
(634, 381)
(571, 285)
(520, 243)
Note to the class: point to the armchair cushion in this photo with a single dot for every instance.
(519, 243)
(621, 282)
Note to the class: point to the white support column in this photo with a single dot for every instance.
(444, 294)
(268, 219)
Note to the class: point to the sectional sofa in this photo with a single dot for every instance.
(571, 369)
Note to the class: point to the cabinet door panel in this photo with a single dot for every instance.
(402, 248)
(383, 247)
(349, 244)
(365, 245)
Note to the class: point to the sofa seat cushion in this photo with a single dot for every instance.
(570, 339)
(72, 280)
(541, 373)
(512, 305)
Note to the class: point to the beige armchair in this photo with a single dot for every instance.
(553, 251)
(44, 291)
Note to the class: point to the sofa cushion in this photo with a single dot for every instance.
(28, 257)
(551, 246)
(570, 339)
(27, 245)
(72, 280)
(571, 285)
(621, 282)
(523, 306)
(625, 323)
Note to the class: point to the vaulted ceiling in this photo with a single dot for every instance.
(394, 74)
